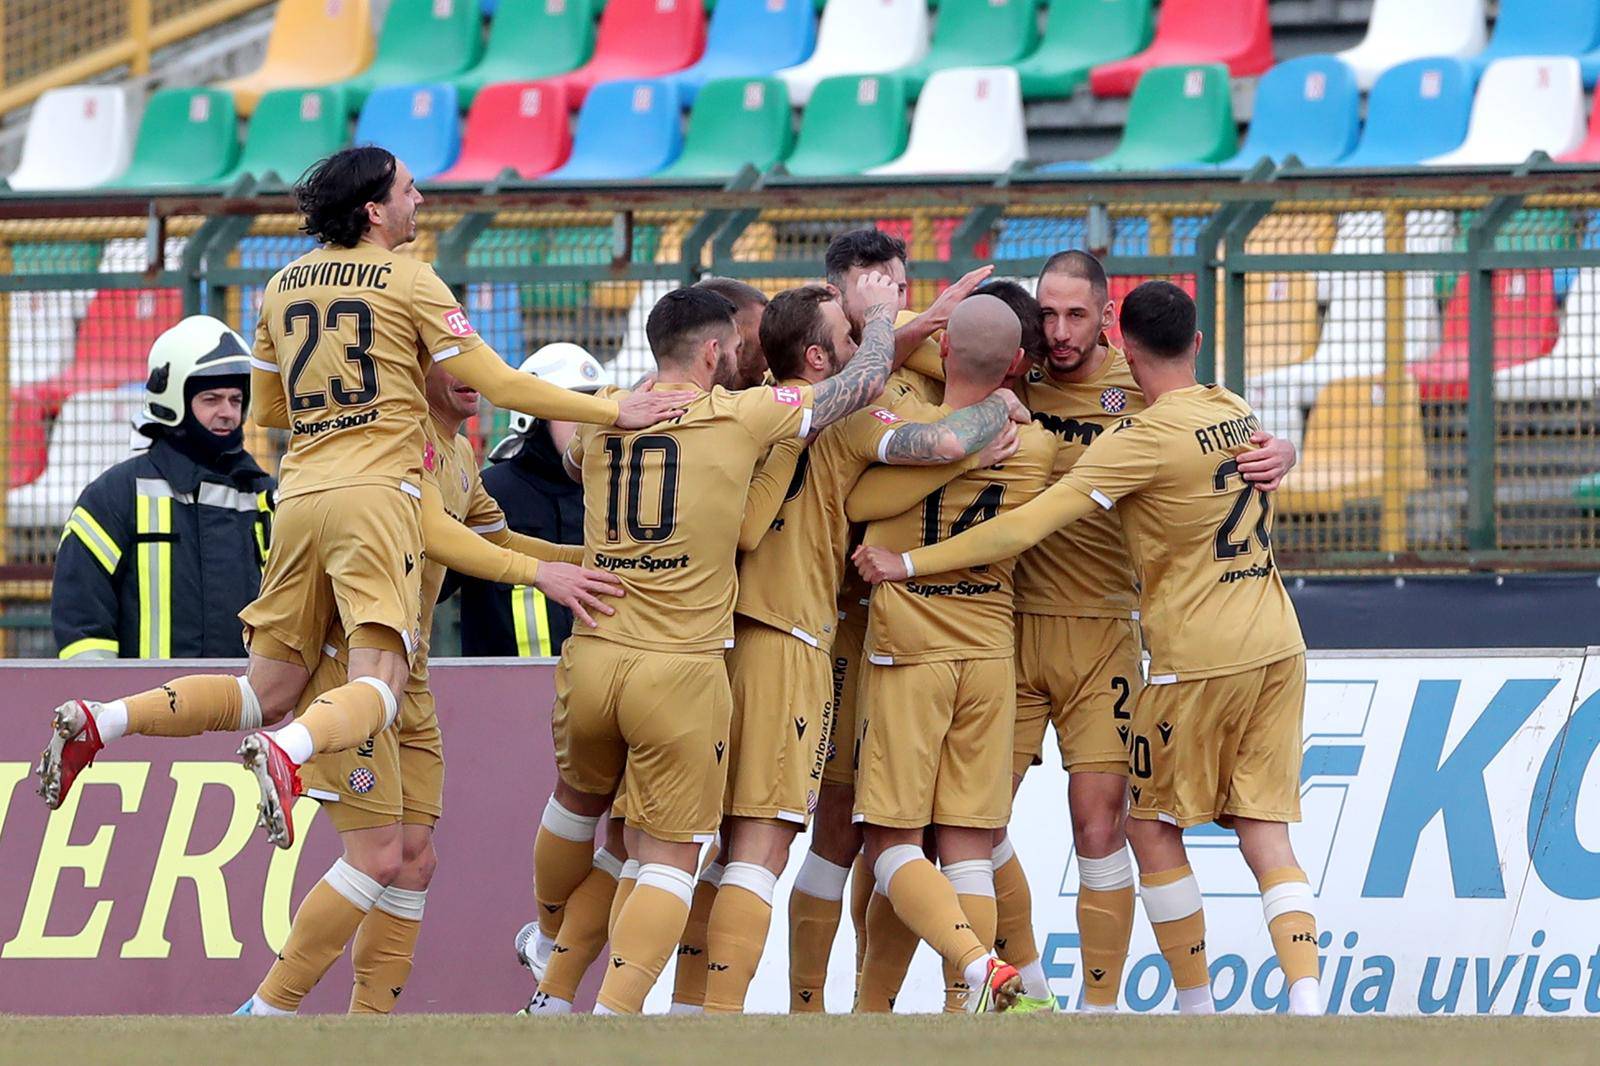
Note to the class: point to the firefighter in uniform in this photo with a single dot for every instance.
(164, 549)
(526, 478)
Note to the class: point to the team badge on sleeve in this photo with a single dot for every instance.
(1114, 401)
(786, 394)
(429, 457)
(362, 781)
(456, 322)
(888, 418)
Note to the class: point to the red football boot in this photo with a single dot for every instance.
(74, 741)
(279, 779)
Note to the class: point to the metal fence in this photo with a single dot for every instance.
(1430, 342)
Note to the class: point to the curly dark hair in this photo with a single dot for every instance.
(333, 194)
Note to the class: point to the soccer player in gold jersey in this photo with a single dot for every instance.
(1217, 734)
(643, 700)
(346, 334)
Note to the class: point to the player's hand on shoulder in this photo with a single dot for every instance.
(639, 410)
(1003, 447)
(578, 589)
(1266, 466)
(1015, 409)
(877, 565)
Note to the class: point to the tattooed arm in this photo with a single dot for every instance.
(863, 377)
(955, 436)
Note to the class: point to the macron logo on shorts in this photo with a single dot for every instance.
(456, 322)
(786, 394)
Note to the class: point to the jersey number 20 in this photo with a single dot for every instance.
(1228, 543)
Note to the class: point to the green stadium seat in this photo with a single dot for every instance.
(422, 41)
(736, 121)
(853, 122)
(188, 137)
(1080, 35)
(292, 129)
(531, 40)
(976, 33)
(1178, 117)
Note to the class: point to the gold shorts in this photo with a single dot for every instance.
(1081, 675)
(353, 554)
(843, 751)
(657, 722)
(1220, 747)
(782, 715)
(396, 776)
(936, 744)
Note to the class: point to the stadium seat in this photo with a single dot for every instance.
(291, 130)
(496, 309)
(1178, 117)
(1309, 108)
(634, 359)
(1345, 459)
(1400, 31)
(640, 39)
(422, 41)
(1354, 327)
(417, 123)
(976, 33)
(1282, 323)
(77, 138)
(1416, 110)
(44, 322)
(735, 121)
(188, 137)
(1542, 28)
(1025, 237)
(1572, 369)
(529, 40)
(264, 253)
(853, 123)
(968, 121)
(522, 125)
(861, 37)
(1589, 150)
(1236, 33)
(626, 129)
(1526, 105)
(751, 39)
(1525, 328)
(1066, 52)
(313, 42)
(93, 431)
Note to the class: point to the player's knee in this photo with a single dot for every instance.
(383, 862)
(586, 804)
(420, 861)
(1097, 832)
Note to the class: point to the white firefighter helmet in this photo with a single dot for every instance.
(197, 347)
(568, 365)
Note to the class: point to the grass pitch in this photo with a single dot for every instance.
(928, 1040)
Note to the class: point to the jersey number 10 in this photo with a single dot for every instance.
(626, 474)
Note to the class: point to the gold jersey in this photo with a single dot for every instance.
(965, 613)
(791, 580)
(908, 382)
(662, 510)
(1083, 570)
(351, 333)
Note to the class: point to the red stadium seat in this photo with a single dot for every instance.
(1235, 32)
(1589, 150)
(639, 39)
(1525, 327)
(517, 124)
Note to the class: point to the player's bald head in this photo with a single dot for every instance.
(983, 335)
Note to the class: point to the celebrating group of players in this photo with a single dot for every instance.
(1020, 495)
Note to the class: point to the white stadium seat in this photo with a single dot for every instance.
(1572, 369)
(77, 137)
(1524, 105)
(1403, 30)
(94, 431)
(968, 121)
(633, 360)
(861, 37)
(44, 326)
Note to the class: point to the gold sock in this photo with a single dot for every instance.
(813, 923)
(889, 946)
(646, 933)
(187, 707)
(1181, 937)
(735, 938)
(381, 956)
(1105, 925)
(926, 901)
(625, 886)
(1294, 932)
(1013, 937)
(861, 884)
(980, 912)
(689, 976)
(583, 934)
(344, 717)
(322, 927)
(559, 867)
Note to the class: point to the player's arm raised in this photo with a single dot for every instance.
(864, 376)
(911, 335)
(886, 491)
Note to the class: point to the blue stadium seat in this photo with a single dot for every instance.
(496, 310)
(626, 129)
(1035, 238)
(1309, 108)
(750, 39)
(264, 253)
(1544, 28)
(418, 123)
(1417, 110)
